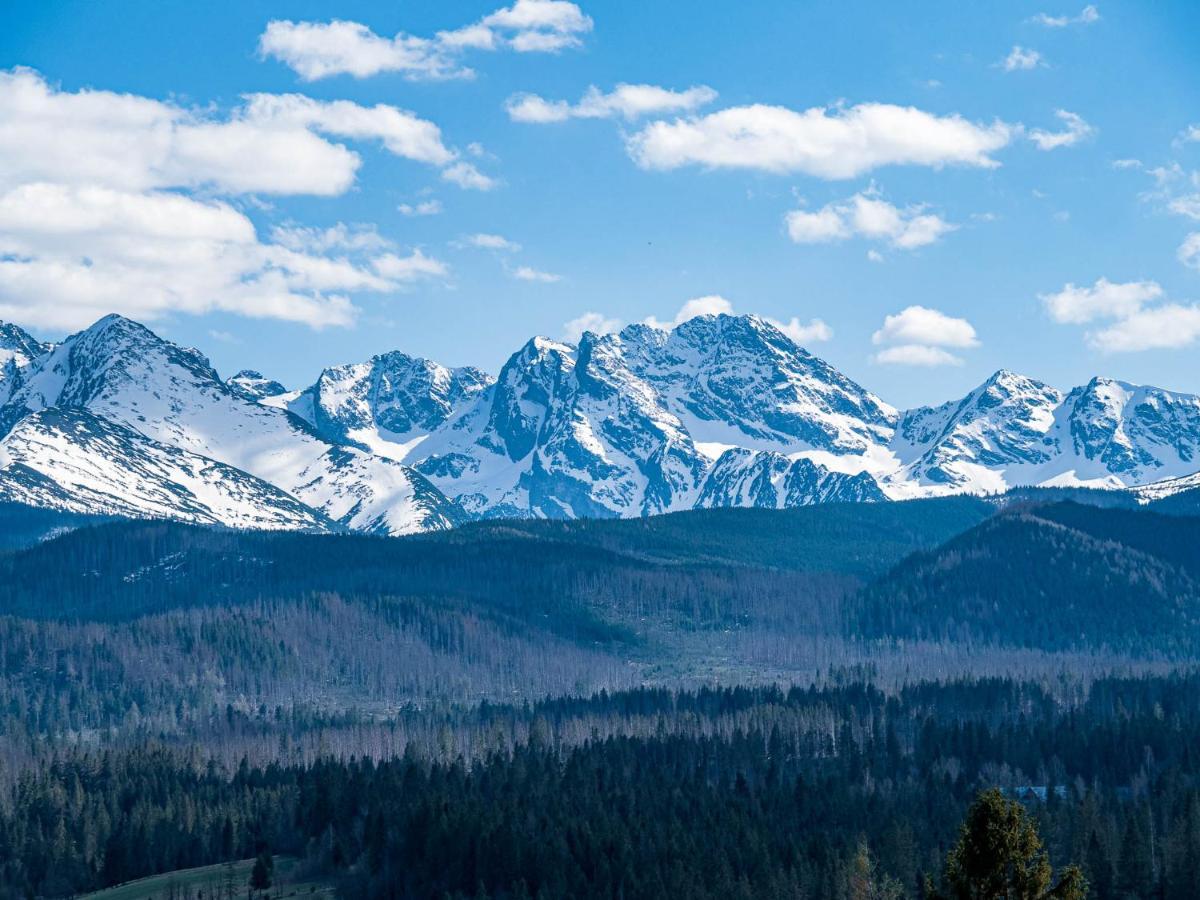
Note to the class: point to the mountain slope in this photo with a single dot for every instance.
(72, 460)
(1059, 577)
(1013, 431)
(126, 376)
(718, 411)
(632, 424)
(387, 404)
(18, 349)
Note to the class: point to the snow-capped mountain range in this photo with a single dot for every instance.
(718, 411)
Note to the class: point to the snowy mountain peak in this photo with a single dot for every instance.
(740, 380)
(718, 411)
(126, 377)
(1006, 421)
(389, 403)
(254, 385)
(18, 348)
(1139, 433)
(18, 344)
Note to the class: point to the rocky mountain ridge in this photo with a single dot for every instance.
(718, 411)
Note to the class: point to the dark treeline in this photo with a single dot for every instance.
(1053, 577)
(129, 631)
(720, 793)
(23, 526)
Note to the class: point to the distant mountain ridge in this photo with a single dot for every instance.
(720, 411)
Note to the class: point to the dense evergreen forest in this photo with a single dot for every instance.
(117, 632)
(716, 793)
(590, 709)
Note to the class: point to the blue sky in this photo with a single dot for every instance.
(296, 195)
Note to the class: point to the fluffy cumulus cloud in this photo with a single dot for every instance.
(1103, 300)
(1135, 318)
(804, 333)
(1074, 130)
(1167, 327)
(868, 216)
(1086, 16)
(831, 143)
(316, 50)
(596, 323)
(920, 336)
(72, 253)
(271, 144)
(626, 101)
(113, 202)
(1021, 59)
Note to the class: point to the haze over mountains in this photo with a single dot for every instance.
(720, 411)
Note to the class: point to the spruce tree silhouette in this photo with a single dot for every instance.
(999, 856)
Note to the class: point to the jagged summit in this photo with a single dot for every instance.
(719, 410)
(171, 402)
(255, 385)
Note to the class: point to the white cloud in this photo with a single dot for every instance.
(1191, 134)
(98, 214)
(422, 208)
(820, 227)
(1186, 205)
(402, 133)
(465, 175)
(322, 240)
(70, 254)
(917, 355)
(875, 256)
(1088, 15)
(922, 325)
(540, 26)
(595, 322)
(408, 268)
(918, 336)
(629, 101)
(708, 305)
(528, 273)
(1136, 323)
(867, 215)
(316, 50)
(813, 332)
(1021, 59)
(1076, 130)
(271, 144)
(1165, 327)
(1103, 300)
(1189, 250)
(832, 143)
(486, 241)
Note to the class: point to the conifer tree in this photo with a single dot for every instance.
(999, 856)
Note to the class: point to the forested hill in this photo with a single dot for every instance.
(128, 628)
(1053, 577)
(527, 569)
(23, 526)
